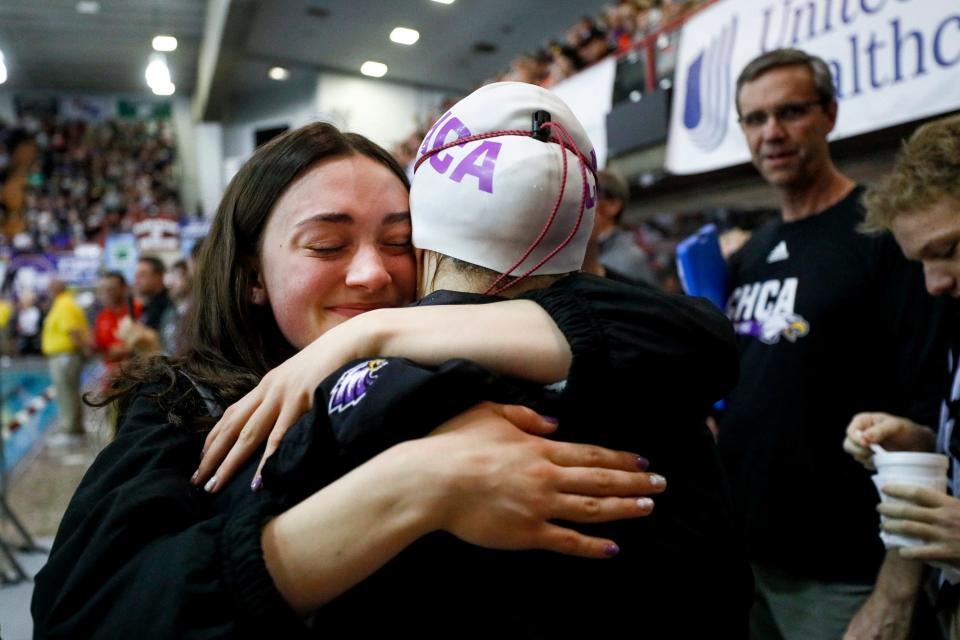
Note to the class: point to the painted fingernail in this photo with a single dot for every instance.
(551, 419)
(195, 476)
(257, 483)
(645, 503)
(610, 549)
(642, 463)
(657, 481)
(211, 484)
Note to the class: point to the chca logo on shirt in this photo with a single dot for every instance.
(765, 310)
(479, 162)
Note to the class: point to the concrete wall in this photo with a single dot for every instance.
(210, 173)
(186, 154)
(6, 106)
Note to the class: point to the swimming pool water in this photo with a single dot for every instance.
(17, 388)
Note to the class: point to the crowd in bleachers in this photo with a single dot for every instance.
(64, 183)
(69, 182)
(621, 29)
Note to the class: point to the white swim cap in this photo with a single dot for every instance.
(487, 201)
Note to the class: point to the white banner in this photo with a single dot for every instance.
(893, 61)
(120, 254)
(589, 94)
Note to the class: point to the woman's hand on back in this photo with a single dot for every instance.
(485, 476)
(510, 485)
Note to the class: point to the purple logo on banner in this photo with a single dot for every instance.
(706, 107)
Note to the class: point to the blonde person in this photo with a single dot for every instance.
(919, 202)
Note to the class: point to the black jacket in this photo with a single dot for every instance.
(141, 552)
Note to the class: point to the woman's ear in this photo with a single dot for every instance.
(258, 290)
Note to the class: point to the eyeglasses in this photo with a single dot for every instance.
(789, 112)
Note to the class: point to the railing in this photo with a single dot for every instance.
(6, 513)
(648, 45)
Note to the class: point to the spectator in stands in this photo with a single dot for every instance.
(564, 63)
(831, 322)
(29, 322)
(159, 311)
(580, 31)
(22, 149)
(613, 251)
(621, 26)
(7, 314)
(920, 202)
(532, 69)
(593, 47)
(117, 307)
(179, 286)
(63, 338)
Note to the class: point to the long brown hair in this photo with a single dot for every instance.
(227, 343)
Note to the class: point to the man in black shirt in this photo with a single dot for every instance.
(830, 322)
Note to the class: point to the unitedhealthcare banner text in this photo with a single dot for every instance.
(893, 61)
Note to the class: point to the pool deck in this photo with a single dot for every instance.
(38, 491)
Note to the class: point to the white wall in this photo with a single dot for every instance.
(186, 154)
(290, 105)
(383, 111)
(210, 177)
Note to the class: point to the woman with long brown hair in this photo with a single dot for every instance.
(312, 230)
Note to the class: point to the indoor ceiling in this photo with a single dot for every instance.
(49, 45)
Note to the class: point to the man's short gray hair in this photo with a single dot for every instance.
(822, 78)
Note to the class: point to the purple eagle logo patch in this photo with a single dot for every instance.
(353, 385)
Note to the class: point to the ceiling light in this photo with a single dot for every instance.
(403, 35)
(88, 6)
(158, 73)
(373, 69)
(164, 43)
(444, 1)
(164, 89)
(278, 73)
(3, 71)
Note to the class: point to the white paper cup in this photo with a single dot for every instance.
(927, 470)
